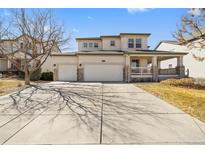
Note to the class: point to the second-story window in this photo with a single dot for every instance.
(130, 43)
(85, 45)
(90, 45)
(21, 45)
(95, 45)
(138, 43)
(112, 43)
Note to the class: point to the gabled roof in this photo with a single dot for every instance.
(89, 38)
(166, 41)
(135, 34)
(112, 36)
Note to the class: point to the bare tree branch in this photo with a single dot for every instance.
(40, 34)
(191, 32)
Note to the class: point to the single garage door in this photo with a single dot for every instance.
(100, 72)
(67, 72)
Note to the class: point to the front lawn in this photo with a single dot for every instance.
(189, 100)
(7, 86)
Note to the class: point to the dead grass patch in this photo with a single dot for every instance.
(189, 100)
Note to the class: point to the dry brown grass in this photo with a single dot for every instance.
(7, 86)
(185, 82)
(189, 100)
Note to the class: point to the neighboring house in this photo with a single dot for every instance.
(124, 57)
(193, 67)
(18, 43)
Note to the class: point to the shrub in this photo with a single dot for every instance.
(47, 76)
(21, 74)
(36, 75)
(184, 82)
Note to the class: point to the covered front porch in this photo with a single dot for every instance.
(146, 67)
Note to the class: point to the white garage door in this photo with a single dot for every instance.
(67, 72)
(103, 72)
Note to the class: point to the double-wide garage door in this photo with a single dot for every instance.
(106, 72)
(92, 72)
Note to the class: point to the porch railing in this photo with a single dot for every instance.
(141, 70)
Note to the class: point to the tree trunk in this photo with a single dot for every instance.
(27, 77)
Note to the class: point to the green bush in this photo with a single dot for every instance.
(184, 82)
(47, 76)
(36, 75)
(21, 74)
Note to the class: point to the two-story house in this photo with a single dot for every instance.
(16, 46)
(124, 57)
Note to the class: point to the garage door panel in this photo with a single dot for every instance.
(103, 72)
(67, 72)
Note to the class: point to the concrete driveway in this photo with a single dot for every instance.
(93, 113)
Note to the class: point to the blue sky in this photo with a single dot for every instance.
(161, 23)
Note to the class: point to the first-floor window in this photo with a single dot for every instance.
(138, 43)
(135, 63)
(85, 45)
(95, 45)
(130, 43)
(90, 45)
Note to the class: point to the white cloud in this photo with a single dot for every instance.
(135, 10)
(90, 18)
(194, 11)
(75, 30)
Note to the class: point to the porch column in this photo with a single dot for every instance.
(55, 72)
(154, 69)
(180, 69)
(127, 72)
(8, 64)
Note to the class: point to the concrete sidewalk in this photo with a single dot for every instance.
(93, 113)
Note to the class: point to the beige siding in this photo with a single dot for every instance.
(64, 59)
(106, 44)
(3, 64)
(81, 48)
(48, 65)
(111, 59)
(124, 42)
(195, 67)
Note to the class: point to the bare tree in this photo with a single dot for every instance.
(40, 33)
(191, 32)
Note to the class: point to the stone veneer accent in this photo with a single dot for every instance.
(126, 71)
(55, 74)
(180, 71)
(80, 74)
(155, 73)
